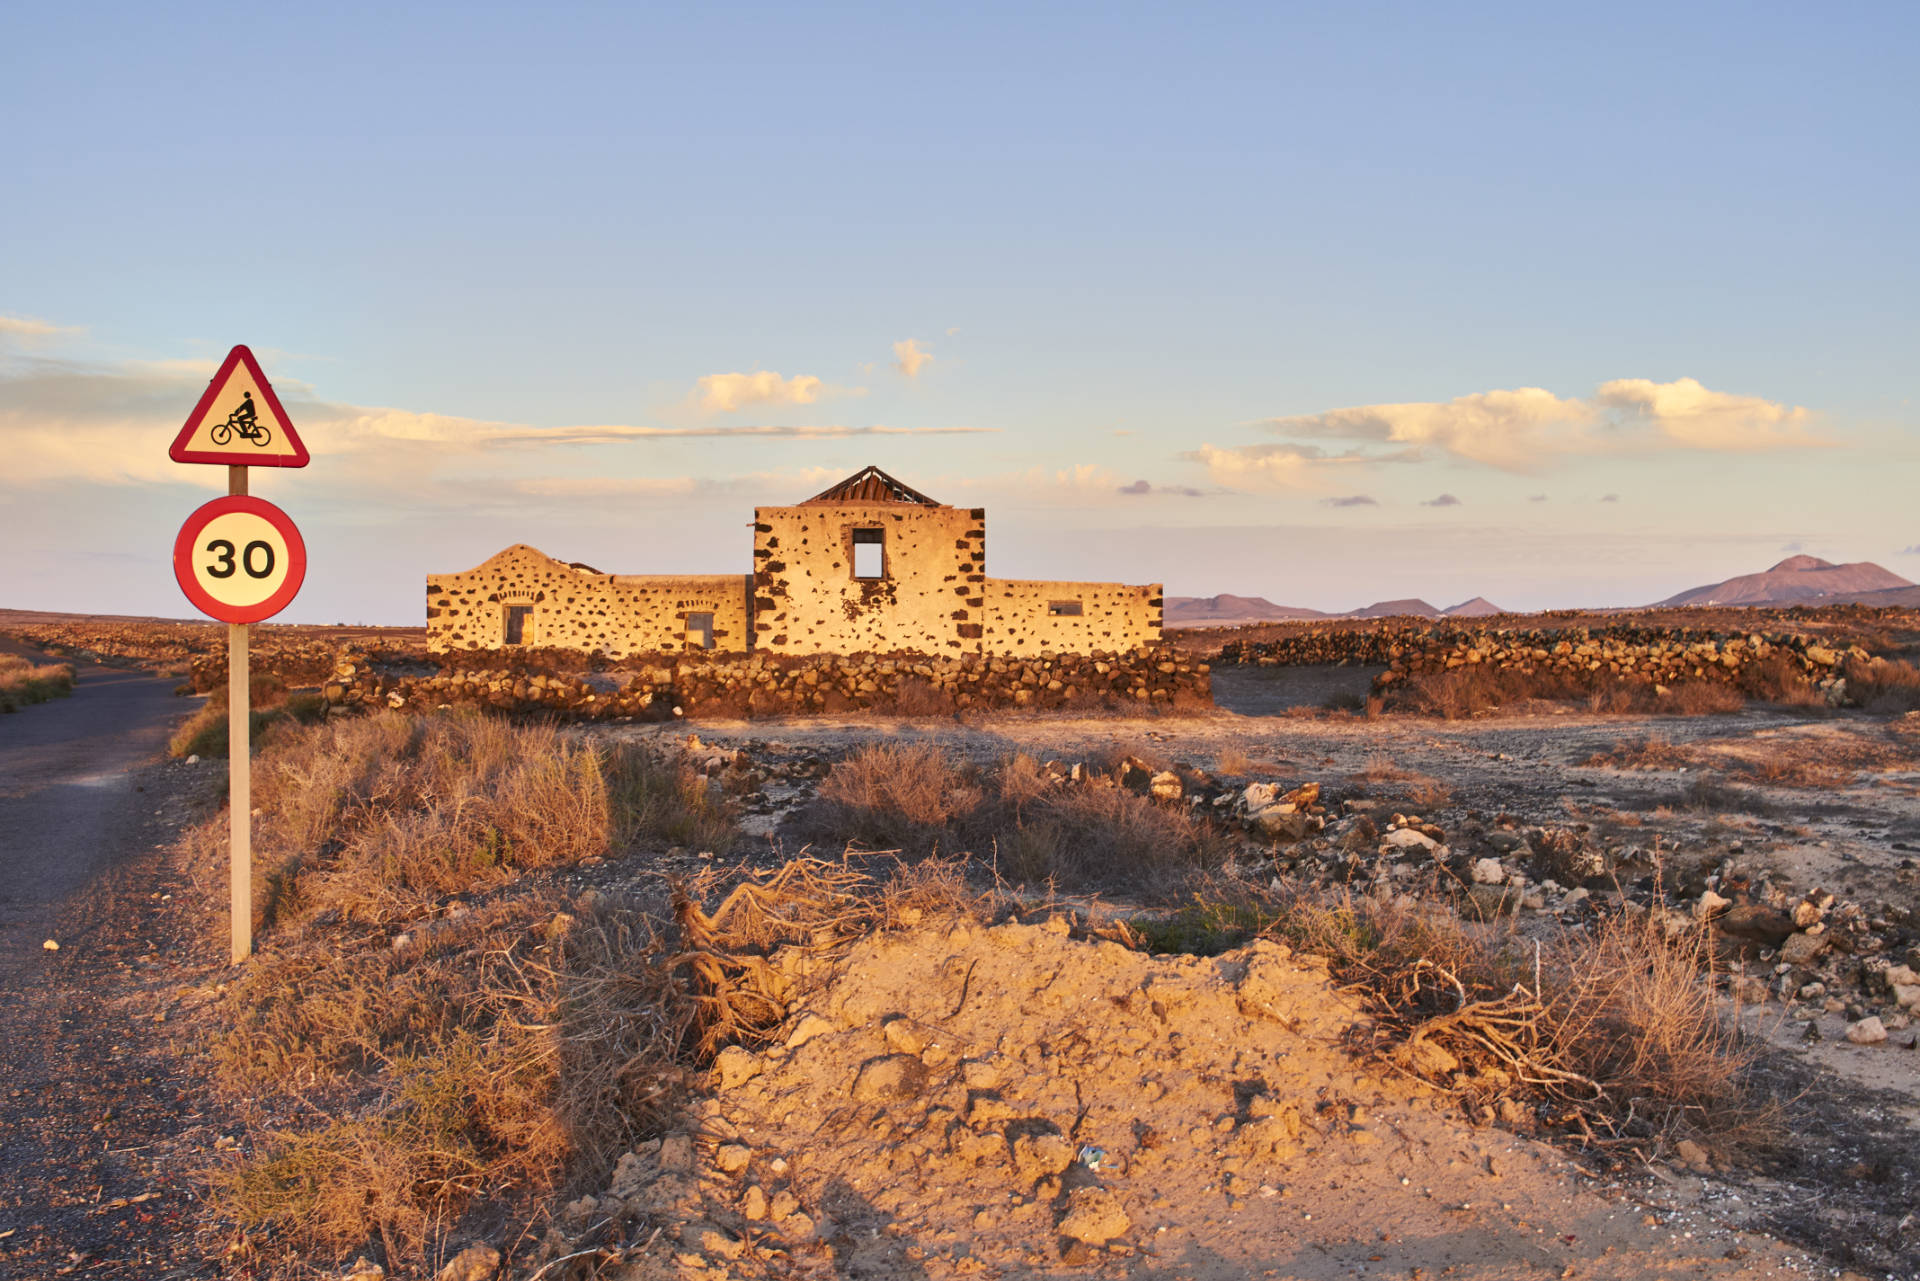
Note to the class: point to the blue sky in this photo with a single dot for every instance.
(1634, 287)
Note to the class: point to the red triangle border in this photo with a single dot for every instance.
(179, 452)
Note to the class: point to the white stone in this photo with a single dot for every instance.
(1488, 871)
(1711, 904)
(1868, 1031)
(1408, 838)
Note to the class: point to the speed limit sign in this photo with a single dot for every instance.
(239, 559)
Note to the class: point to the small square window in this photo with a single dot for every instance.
(869, 553)
(1064, 609)
(517, 619)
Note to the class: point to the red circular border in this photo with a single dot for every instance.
(183, 549)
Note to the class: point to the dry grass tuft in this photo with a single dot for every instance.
(23, 682)
(377, 817)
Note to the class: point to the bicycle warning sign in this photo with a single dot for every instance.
(239, 421)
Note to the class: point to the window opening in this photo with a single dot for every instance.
(517, 618)
(1064, 609)
(869, 553)
(700, 631)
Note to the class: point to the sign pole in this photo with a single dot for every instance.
(240, 767)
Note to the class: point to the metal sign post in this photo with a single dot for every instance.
(239, 559)
(240, 767)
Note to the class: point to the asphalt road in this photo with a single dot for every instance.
(69, 805)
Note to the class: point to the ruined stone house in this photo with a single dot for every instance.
(868, 566)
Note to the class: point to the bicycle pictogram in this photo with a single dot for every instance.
(244, 423)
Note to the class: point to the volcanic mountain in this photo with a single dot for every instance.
(1797, 580)
(1396, 608)
(1478, 607)
(1192, 611)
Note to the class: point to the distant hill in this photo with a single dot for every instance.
(1478, 607)
(1195, 611)
(1395, 609)
(1798, 580)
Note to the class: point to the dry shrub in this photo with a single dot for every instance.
(1034, 824)
(892, 796)
(1887, 686)
(23, 682)
(1648, 753)
(1779, 679)
(1476, 689)
(1614, 1028)
(1234, 761)
(1712, 795)
(1418, 791)
(1700, 698)
(1788, 769)
(1631, 1010)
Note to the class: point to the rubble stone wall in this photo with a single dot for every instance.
(572, 607)
(1022, 617)
(1653, 655)
(765, 685)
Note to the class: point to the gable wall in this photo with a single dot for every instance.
(807, 601)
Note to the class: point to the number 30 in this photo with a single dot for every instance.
(224, 567)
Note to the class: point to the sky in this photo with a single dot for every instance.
(1329, 304)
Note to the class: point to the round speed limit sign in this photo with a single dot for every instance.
(239, 559)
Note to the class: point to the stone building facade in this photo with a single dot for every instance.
(868, 566)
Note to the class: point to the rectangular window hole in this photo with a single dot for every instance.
(1064, 609)
(869, 553)
(517, 618)
(700, 631)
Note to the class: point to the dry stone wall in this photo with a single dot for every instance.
(1650, 655)
(765, 685)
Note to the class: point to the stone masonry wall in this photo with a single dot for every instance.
(1017, 616)
(574, 608)
(807, 601)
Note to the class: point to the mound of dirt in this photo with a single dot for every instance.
(1013, 1101)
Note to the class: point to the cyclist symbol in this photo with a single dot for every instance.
(243, 423)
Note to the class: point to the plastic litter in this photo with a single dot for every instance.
(1094, 1158)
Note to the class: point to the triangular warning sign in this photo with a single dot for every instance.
(239, 421)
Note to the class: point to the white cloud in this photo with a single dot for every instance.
(1506, 429)
(726, 393)
(1283, 466)
(1351, 500)
(1524, 428)
(1697, 418)
(1444, 500)
(909, 359)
